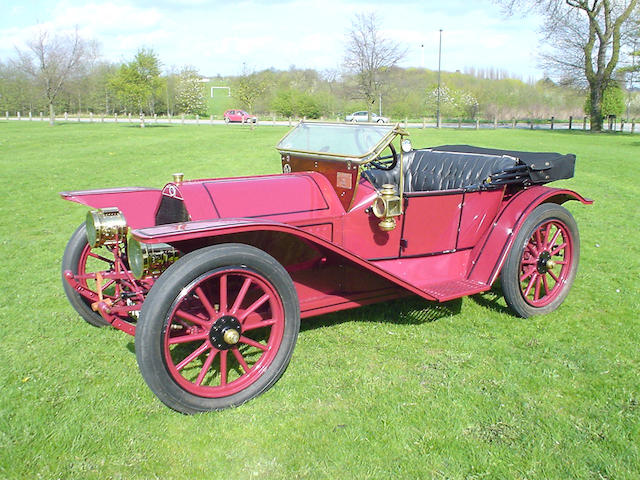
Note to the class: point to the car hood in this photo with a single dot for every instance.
(288, 198)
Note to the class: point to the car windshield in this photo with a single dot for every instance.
(356, 142)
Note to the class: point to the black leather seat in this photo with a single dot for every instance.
(427, 170)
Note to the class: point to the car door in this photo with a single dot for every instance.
(431, 222)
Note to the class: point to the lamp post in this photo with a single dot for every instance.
(439, 69)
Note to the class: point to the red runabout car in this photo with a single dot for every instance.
(239, 116)
(213, 276)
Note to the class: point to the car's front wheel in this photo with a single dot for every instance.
(543, 261)
(218, 328)
(226, 119)
(83, 261)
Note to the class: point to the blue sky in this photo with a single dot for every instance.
(223, 37)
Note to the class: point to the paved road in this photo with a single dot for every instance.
(285, 123)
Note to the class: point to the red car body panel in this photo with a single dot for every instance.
(460, 253)
(138, 204)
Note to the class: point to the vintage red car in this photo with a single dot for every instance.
(213, 276)
(239, 116)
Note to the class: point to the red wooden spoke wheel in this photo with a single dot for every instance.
(223, 332)
(84, 262)
(543, 261)
(217, 329)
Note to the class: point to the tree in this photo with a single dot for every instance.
(137, 83)
(51, 61)
(190, 92)
(586, 36)
(369, 56)
(248, 89)
(612, 101)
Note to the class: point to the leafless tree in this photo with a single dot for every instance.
(369, 55)
(585, 37)
(51, 60)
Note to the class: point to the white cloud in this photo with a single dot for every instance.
(219, 37)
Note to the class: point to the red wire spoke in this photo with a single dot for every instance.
(192, 318)
(206, 303)
(253, 343)
(187, 338)
(223, 294)
(206, 367)
(254, 306)
(241, 294)
(192, 356)
(240, 359)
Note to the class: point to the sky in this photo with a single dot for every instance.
(231, 37)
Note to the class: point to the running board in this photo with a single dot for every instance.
(451, 289)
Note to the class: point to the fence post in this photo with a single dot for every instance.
(584, 123)
(289, 122)
(424, 123)
(142, 120)
(41, 117)
(274, 119)
(570, 122)
(210, 119)
(77, 116)
(30, 117)
(6, 115)
(197, 119)
(102, 118)
(155, 118)
(406, 120)
(66, 116)
(633, 126)
(552, 120)
(495, 122)
(91, 117)
(182, 120)
(477, 123)
(169, 117)
(129, 117)
(115, 117)
(513, 123)
(18, 115)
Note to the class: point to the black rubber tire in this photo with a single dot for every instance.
(510, 276)
(72, 253)
(156, 309)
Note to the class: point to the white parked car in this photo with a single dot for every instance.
(362, 117)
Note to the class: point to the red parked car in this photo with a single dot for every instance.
(239, 116)
(213, 276)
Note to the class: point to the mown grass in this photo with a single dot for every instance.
(404, 389)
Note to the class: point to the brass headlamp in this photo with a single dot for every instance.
(106, 226)
(387, 206)
(149, 258)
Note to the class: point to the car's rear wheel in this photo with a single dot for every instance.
(543, 261)
(82, 261)
(217, 329)
(380, 121)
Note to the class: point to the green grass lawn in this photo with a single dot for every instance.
(405, 389)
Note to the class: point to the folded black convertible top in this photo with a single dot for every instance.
(542, 167)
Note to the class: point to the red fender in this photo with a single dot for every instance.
(185, 234)
(138, 204)
(491, 251)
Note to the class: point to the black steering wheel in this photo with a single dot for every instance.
(387, 162)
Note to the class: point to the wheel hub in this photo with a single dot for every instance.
(545, 263)
(225, 332)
